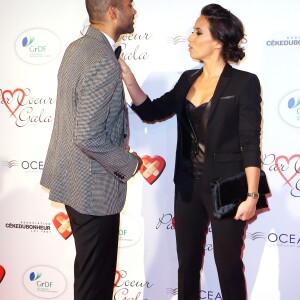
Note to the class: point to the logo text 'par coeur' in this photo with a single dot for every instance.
(38, 46)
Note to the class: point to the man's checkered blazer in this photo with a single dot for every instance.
(86, 165)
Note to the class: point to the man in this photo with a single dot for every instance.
(87, 164)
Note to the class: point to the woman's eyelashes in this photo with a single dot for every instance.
(197, 32)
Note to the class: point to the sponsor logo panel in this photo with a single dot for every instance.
(288, 41)
(29, 226)
(62, 224)
(23, 107)
(289, 108)
(44, 282)
(130, 231)
(38, 46)
(127, 287)
(279, 239)
(152, 167)
(29, 166)
(288, 169)
(204, 294)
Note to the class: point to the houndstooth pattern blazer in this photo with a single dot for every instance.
(86, 165)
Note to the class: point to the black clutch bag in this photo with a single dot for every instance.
(229, 192)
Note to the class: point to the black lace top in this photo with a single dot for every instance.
(194, 164)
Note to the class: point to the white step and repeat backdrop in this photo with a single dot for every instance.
(36, 243)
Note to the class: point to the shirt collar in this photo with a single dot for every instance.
(110, 40)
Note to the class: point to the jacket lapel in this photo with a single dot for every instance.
(185, 88)
(191, 78)
(222, 83)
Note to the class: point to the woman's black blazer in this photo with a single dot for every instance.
(233, 123)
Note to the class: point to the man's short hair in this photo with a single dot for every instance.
(97, 8)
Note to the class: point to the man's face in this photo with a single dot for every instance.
(126, 17)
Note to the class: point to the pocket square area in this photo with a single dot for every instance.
(227, 97)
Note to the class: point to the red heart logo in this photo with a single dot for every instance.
(288, 160)
(62, 223)
(2, 273)
(8, 98)
(173, 222)
(152, 167)
(117, 277)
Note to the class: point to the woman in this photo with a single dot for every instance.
(218, 117)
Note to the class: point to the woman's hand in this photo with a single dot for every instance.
(127, 75)
(124, 67)
(136, 93)
(246, 209)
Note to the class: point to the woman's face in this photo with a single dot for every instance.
(202, 45)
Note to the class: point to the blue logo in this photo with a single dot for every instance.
(292, 103)
(34, 276)
(27, 41)
(289, 108)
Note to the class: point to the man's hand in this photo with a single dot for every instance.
(140, 162)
